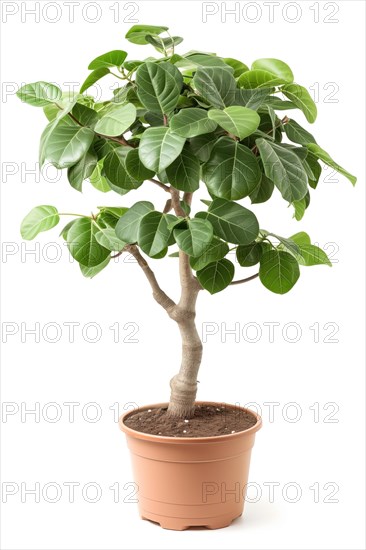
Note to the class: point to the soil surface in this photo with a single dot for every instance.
(208, 421)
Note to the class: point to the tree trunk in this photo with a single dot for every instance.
(184, 384)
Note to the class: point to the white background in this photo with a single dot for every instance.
(313, 450)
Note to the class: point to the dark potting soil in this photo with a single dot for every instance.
(207, 421)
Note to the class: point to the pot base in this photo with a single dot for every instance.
(181, 524)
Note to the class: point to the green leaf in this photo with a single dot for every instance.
(312, 255)
(302, 99)
(82, 170)
(117, 120)
(216, 276)
(239, 121)
(159, 147)
(263, 191)
(232, 171)
(135, 168)
(300, 238)
(249, 255)
(97, 180)
(107, 237)
(252, 99)
(65, 145)
(39, 93)
(192, 122)
(184, 172)
(217, 86)
(297, 133)
(238, 66)
(40, 218)
(203, 145)
(203, 60)
(276, 67)
(93, 78)
(127, 228)
(278, 271)
(85, 115)
(154, 232)
(90, 272)
(196, 238)
(137, 33)
(325, 157)
(116, 171)
(115, 58)
(159, 86)
(216, 250)
(163, 44)
(83, 245)
(300, 207)
(259, 79)
(231, 221)
(284, 168)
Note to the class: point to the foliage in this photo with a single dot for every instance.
(176, 121)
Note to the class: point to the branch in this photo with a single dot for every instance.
(168, 206)
(159, 295)
(162, 185)
(240, 281)
(187, 198)
(176, 202)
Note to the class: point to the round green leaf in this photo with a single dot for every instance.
(192, 122)
(116, 120)
(239, 121)
(284, 168)
(40, 218)
(154, 232)
(278, 271)
(216, 85)
(93, 78)
(275, 66)
(115, 58)
(107, 237)
(216, 250)
(159, 86)
(159, 147)
(238, 66)
(66, 144)
(83, 245)
(302, 99)
(232, 171)
(135, 168)
(116, 172)
(216, 276)
(326, 158)
(39, 94)
(127, 228)
(259, 79)
(196, 238)
(184, 172)
(249, 255)
(231, 221)
(82, 170)
(137, 33)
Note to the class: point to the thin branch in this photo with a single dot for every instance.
(159, 295)
(176, 202)
(162, 185)
(187, 198)
(240, 281)
(168, 206)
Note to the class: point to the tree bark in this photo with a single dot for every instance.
(184, 383)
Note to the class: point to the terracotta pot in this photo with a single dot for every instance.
(188, 481)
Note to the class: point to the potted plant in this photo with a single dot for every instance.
(174, 122)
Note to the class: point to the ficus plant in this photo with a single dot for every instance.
(174, 122)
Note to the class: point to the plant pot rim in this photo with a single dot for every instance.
(190, 440)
